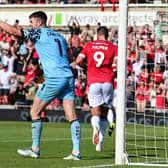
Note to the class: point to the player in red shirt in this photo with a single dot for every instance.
(100, 55)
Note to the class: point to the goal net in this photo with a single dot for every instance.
(142, 109)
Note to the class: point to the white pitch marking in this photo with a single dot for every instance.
(42, 140)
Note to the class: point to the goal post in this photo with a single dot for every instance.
(121, 80)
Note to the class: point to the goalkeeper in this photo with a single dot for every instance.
(59, 81)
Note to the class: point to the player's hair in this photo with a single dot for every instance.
(102, 31)
(39, 14)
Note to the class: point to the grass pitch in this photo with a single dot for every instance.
(55, 144)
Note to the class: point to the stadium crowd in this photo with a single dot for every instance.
(75, 1)
(147, 69)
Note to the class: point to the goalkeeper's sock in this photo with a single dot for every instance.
(76, 135)
(36, 133)
(103, 127)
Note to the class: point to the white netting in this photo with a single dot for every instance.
(147, 86)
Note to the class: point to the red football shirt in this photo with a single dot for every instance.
(160, 101)
(100, 56)
(141, 93)
(157, 76)
(30, 75)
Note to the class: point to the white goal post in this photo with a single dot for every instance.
(137, 143)
(121, 80)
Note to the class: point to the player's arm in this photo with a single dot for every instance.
(10, 29)
(79, 59)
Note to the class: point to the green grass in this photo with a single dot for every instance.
(55, 144)
(148, 143)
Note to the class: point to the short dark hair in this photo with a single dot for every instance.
(102, 30)
(39, 14)
(17, 21)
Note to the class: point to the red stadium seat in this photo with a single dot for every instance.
(102, 1)
(113, 2)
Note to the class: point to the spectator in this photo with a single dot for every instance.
(165, 78)
(151, 95)
(14, 49)
(3, 1)
(129, 66)
(11, 1)
(87, 34)
(132, 37)
(4, 45)
(141, 97)
(160, 99)
(140, 39)
(131, 87)
(141, 52)
(76, 49)
(75, 39)
(72, 1)
(20, 94)
(131, 55)
(79, 91)
(25, 2)
(137, 66)
(23, 49)
(16, 24)
(13, 87)
(147, 31)
(1, 58)
(75, 28)
(30, 83)
(41, 1)
(9, 61)
(158, 30)
(143, 75)
(86, 101)
(56, 2)
(9, 38)
(157, 75)
(5, 77)
(113, 37)
(32, 53)
(20, 68)
(150, 55)
(160, 56)
(30, 74)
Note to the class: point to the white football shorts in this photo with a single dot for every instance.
(100, 94)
